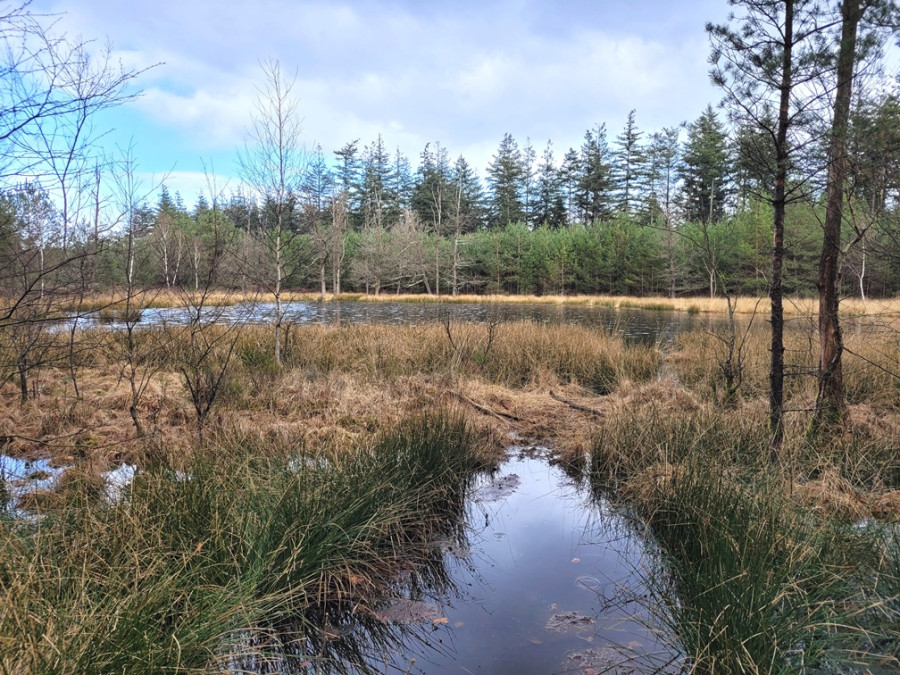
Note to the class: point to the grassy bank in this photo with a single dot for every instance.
(316, 481)
(241, 537)
(789, 567)
(762, 568)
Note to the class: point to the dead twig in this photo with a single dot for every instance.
(576, 406)
(503, 417)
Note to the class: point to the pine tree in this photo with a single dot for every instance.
(569, 178)
(376, 178)
(401, 185)
(628, 166)
(706, 170)
(529, 184)
(505, 177)
(550, 206)
(595, 185)
(663, 168)
(349, 180)
(318, 181)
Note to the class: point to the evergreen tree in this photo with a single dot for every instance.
(467, 197)
(505, 178)
(550, 205)
(318, 181)
(755, 160)
(628, 166)
(349, 180)
(376, 179)
(875, 153)
(431, 193)
(595, 180)
(569, 178)
(401, 185)
(663, 168)
(706, 170)
(529, 184)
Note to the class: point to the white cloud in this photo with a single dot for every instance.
(460, 73)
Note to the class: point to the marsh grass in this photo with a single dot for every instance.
(241, 537)
(870, 370)
(750, 584)
(761, 568)
(517, 353)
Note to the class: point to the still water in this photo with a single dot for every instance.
(634, 324)
(548, 584)
(544, 580)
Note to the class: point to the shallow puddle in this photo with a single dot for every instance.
(546, 585)
(20, 478)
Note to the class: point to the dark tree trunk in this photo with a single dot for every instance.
(830, 399)
(22, 366)
(776, 369)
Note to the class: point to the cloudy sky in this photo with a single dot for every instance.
(461, 72)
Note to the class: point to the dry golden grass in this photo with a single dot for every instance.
(342, 383)
(870, 362)
(337, 384)
(831, 495)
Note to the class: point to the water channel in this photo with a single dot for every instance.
(548, 583)
(543, 578)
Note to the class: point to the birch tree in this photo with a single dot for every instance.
(272, 164)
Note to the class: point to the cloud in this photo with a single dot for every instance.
(461, 73)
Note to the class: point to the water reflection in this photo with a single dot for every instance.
(541, 580)
(634, 324)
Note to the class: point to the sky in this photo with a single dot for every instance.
(459, 72)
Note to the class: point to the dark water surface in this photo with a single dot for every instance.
(639, 325)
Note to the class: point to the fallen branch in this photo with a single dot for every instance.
(503, 417)
(576, 406)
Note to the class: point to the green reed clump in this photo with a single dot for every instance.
(749, 584)
(747, 579)
(239, 537)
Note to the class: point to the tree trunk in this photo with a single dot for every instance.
(456, 265)
(830, 399)
(278, 273)
(776, 367)
(22, 366)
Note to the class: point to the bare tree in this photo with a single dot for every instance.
(272, 164)
(51, 88)
(209, 338)
(137, 350)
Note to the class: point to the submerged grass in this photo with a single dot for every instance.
(239, 537)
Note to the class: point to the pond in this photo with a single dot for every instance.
(636, 325)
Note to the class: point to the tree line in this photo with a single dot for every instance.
(683, 214)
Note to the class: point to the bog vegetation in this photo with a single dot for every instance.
(287, 473)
